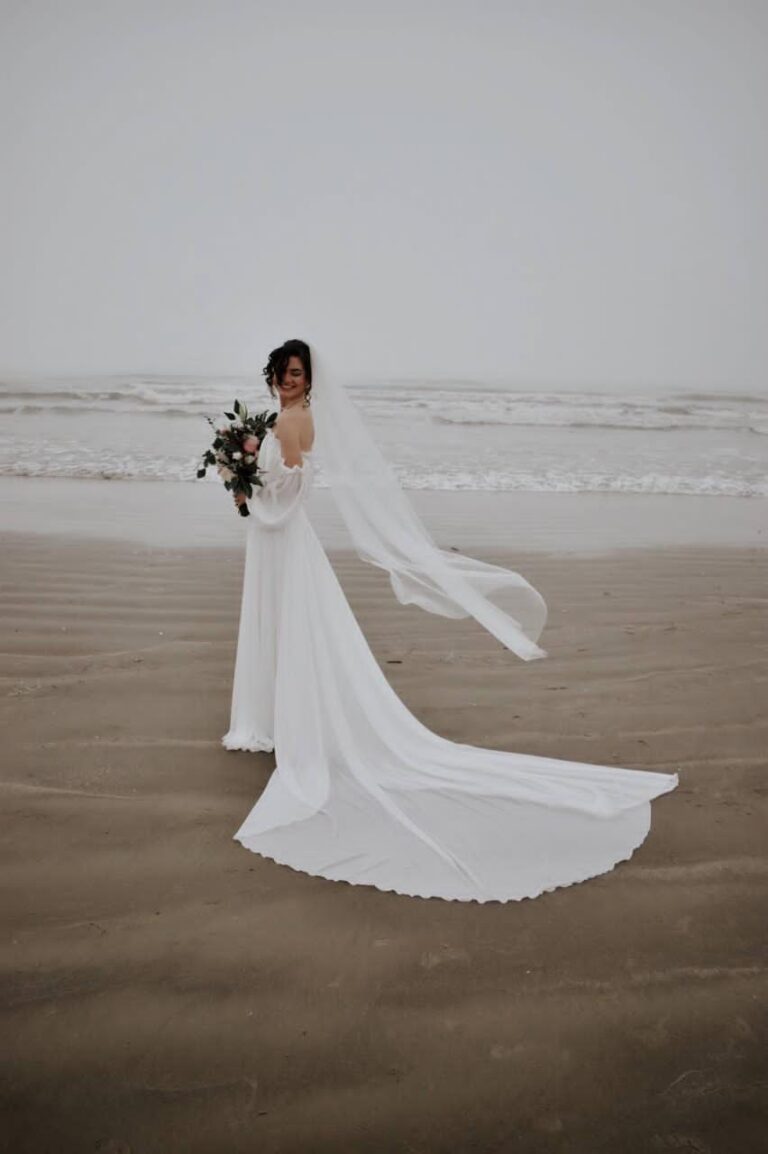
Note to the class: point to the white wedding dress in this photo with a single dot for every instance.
(362, 791)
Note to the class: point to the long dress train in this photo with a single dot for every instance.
(364, 792)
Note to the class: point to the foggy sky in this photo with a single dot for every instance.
(553, 192)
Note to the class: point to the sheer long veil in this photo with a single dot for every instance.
(387, 532)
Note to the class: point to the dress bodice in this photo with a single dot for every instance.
(284, 487)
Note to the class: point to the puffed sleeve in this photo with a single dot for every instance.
(281, 494)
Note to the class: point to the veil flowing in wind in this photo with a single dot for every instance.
(386, 531)
(362, 791)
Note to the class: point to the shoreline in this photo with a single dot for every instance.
(202, 516)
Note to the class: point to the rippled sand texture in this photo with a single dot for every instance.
(165, 990)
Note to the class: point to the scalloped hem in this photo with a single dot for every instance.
(445, 897)
(249, 744)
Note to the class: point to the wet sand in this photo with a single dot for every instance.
(165, 990)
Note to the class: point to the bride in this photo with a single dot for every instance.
(362, 791)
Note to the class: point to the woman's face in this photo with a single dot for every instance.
(294, 382)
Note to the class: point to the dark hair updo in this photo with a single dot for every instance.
(278, 363)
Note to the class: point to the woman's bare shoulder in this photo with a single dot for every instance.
(298, 416)
(301, 420)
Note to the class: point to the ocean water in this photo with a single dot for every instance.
(449, 435)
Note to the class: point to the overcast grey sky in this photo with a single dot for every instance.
(565, 192)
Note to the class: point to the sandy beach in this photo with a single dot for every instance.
(165, 990)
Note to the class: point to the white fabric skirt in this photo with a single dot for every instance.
(363, 792)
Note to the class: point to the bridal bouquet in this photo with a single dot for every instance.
(235, 450)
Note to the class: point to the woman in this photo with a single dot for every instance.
(362, 791)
